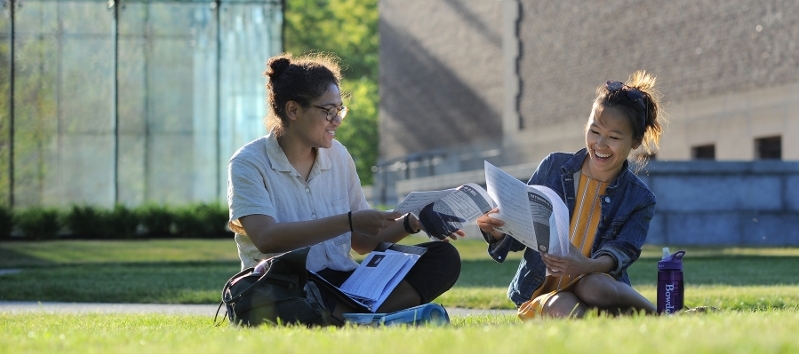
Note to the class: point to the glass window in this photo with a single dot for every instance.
(769, 148)
(141, 103)
(703, 152)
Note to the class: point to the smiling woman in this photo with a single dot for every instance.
(297, 187)
(610, 210)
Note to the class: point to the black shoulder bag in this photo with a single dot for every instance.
(280, 295)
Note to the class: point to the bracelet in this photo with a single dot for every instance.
(349, 216)
(407, 223)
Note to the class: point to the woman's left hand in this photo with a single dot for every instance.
(439, 225)
(573, 263)
(453, 235)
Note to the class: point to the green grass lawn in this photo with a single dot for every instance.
(756, 290)
(733, 332)
(193, 272)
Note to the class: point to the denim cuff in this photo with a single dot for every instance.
(498, 249)
(621, 260)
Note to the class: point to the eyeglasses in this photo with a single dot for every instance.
(332, 112)
(633, 94)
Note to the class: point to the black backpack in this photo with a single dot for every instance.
(280, 295)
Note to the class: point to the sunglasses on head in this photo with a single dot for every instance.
(633, 94)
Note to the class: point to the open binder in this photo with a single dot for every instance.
(376, 276)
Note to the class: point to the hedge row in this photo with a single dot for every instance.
(88, 222)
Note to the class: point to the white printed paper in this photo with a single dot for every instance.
(377, 276)
(534, 215)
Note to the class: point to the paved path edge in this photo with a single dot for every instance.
(15, 307)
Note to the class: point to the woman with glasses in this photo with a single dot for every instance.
(609, 206)
(297, 187)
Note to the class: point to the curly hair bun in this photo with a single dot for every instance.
(277, 65)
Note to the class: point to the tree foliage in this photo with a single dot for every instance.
(347, 28)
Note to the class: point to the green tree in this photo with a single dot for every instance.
(347, 28)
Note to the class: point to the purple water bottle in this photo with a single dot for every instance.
(670, 282)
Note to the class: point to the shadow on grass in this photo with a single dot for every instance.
(13, 259)
(701, 270)
(201, 282)
(486, 273)
(749, 270)
(153, 282)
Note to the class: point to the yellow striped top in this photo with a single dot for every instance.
(582, 230)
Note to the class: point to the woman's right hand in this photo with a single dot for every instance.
(371, 222)
(487, 224)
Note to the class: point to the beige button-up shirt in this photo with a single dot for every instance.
(262, 181)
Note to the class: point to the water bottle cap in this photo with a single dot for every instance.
(672, 262)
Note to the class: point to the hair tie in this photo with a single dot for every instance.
(407, 223)
(349, 217)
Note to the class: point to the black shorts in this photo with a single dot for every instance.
(435, 272)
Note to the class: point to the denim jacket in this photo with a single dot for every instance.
(627, 208)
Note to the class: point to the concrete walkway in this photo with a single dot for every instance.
(204, 310)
